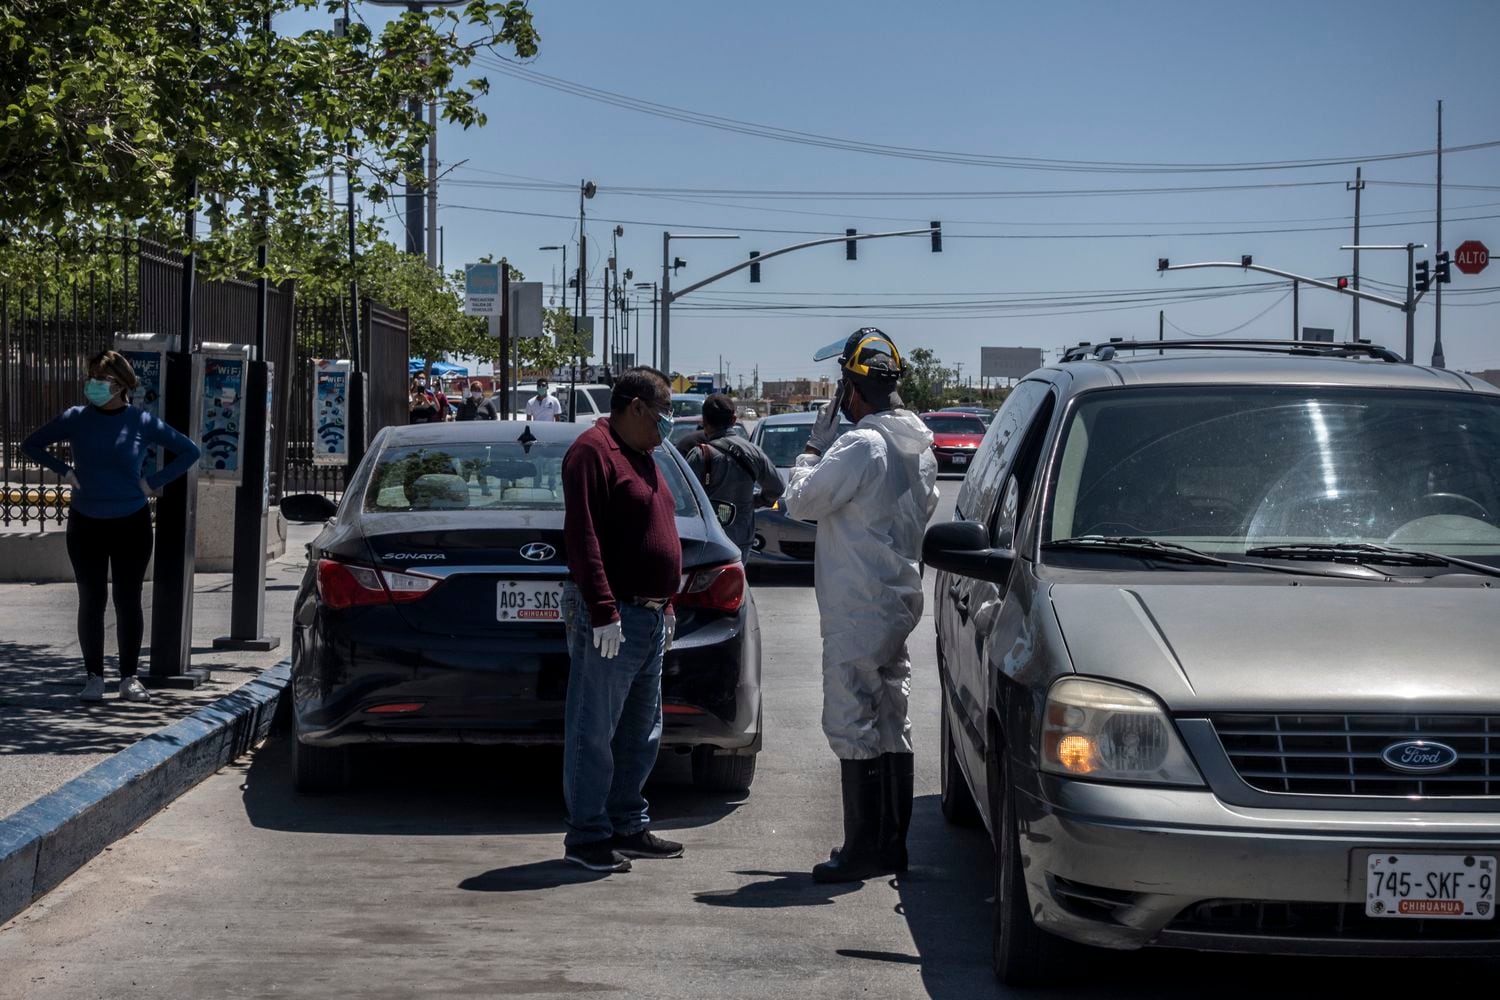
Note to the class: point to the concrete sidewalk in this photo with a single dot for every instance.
(48, 737)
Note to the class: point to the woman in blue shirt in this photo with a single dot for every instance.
(109, 520)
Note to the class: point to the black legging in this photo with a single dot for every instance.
(97, 545)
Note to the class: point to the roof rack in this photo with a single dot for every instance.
(1299, 348)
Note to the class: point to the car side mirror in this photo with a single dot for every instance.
(308, 508)
(725, 512)
(963, 547)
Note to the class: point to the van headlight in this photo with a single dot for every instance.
(1100, 731)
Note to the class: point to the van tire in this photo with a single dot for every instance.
(956, 800)
(1022, 953)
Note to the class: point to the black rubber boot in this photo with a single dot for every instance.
(898, 778)
(859, 858)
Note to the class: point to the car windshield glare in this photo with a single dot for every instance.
(782, 443)
(1225, 470)
(475, 475)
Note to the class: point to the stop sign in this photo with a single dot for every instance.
(1471, 256)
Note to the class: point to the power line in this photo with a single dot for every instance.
(1014, 162)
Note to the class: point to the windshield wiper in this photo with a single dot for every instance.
(1153, 548)
(1365, 553)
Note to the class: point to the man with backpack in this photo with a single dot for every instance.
(730, 467)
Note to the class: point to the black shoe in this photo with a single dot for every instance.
(859, 857)
(645, 844)
(597, 857)
(895, 809)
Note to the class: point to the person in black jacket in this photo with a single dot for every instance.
(475, 406)
(730, 468)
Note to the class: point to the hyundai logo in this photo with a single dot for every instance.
(1419, 756)
(537, 551)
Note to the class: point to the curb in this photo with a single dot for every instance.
(60, 832)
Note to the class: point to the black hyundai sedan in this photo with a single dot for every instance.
(430, 611)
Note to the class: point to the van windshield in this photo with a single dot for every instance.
(1225, 470)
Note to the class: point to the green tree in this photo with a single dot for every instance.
(109, 107)
(924, 379)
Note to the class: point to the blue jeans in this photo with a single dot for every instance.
(612, 722)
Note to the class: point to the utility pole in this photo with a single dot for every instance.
(1438, 361)
(1161, 328)
(432, 201)
(1296, 308)
(1411, 305)
(1356, 187)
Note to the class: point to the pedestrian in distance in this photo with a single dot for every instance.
(421, 408)
(730, 468)
(624, 562)
(109, 516)
(475, 406)
(543, 406)
(871, 492)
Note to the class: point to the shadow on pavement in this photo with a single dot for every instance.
(40, 712)
(528, 878)
(457, 790)
(946, 901)
(779, 890)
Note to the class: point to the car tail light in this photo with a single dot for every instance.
(718, 588)
(344, 585)
(396, 707)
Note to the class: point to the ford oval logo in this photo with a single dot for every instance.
(1419, 756)
(537, 551)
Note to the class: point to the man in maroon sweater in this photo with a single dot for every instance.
(625, 563)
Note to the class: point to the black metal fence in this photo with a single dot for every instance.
(51, 322)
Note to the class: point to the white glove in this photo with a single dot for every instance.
(71, 479)
(826, 428)
(609, 638)
(671, 627)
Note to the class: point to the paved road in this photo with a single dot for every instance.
(440, 877)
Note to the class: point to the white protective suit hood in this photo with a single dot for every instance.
(871, 495)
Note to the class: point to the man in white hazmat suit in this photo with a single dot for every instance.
(871, 492)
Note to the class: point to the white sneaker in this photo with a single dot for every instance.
(93, 689)
(131, 690)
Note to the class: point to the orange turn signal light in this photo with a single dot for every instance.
(1076, 753)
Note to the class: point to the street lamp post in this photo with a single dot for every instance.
(1410, 306)
(651, 285)
(586, 190)
(666, 287)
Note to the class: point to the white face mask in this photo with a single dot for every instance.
(476, 394)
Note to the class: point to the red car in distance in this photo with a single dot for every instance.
(955, 437)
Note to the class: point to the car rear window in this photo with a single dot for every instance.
(473, 475)
(782, 443)
(954, 425)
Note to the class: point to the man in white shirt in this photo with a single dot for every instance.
(542, 406)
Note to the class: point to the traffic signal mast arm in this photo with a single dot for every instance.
(1393, 303)
(762, 258)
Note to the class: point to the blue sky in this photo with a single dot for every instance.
(1164, 82)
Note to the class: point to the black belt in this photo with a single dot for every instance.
(650, 603)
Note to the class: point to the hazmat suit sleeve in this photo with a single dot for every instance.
(821, 485)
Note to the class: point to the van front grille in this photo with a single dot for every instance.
(1342, 754)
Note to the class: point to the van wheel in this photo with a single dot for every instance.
(319, 769)
(721, 772)
(1023, 954)
(957, 801)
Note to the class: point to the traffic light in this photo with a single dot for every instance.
(678, 264)
(1444, 269)
(1162, 263)
(851, 248)
(1424, 280)
(937, 237)
(1246, 260)
(754, 268)
(1342, 282)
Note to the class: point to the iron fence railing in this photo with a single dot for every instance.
(51, 323)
